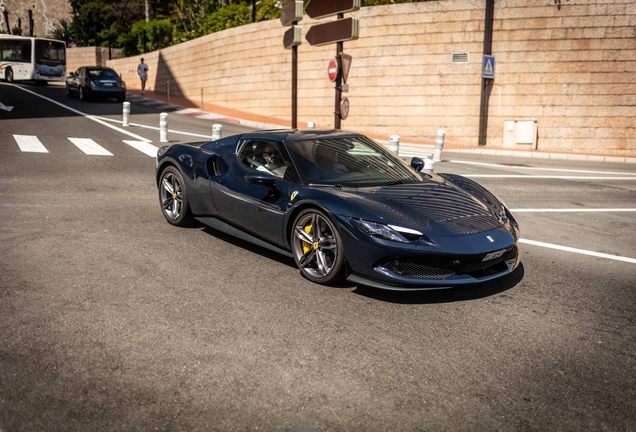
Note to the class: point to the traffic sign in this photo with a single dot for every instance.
(344, 108)
(293, 36)
(325, 8)
(291, 13)
(332, 70)
(335, 31)
(345, 60)
(488, 70)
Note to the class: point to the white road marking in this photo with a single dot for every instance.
(573, 210)
(88, 116)
(579, 251)
(30, 143)
(90, 147)
(144, 147)
(541, 169)
(523, 176)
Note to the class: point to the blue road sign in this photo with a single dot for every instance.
(488, 69)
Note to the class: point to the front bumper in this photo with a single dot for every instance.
(449, 262)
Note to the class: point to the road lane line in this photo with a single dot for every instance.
(88, 116)
(528, 176)
(540, 169)
(30, 143)
(579, 251)
(144, 147)
(90, 147)
(573, 210)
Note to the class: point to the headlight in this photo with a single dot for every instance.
(387, 232)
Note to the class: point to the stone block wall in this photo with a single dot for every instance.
(571, 66)
(89, 56)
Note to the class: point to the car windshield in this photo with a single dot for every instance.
(349, 161)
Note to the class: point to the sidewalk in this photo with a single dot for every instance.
(424, 148)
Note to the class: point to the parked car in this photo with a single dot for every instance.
(343, 207)
(96, 82)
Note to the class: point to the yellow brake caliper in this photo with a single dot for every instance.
(307, 246)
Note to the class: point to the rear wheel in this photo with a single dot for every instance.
(317, 247)
(174, 198)
(8, 75)
(68, 91)
(82, 96)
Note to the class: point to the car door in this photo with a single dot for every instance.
(256, 208)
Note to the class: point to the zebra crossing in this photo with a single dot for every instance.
(32, 144)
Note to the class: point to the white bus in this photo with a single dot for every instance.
(32, 59)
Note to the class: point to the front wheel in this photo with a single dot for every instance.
(9, 75)
(174, 198)
(82, 96)
(68, 91)
(317, 247)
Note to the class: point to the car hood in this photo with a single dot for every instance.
(435, 206)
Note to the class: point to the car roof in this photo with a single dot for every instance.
(298, 135)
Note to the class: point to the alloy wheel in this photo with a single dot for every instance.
(171, 196)
(315, 244)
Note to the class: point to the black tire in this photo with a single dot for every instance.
(8, 75)
(317, 247)
(68, 91)
(173, 197)
(81, 94)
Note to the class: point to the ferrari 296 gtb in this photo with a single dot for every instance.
(342, 206)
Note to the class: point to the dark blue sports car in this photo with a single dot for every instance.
(343, 207)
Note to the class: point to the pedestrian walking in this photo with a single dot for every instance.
(142, 71)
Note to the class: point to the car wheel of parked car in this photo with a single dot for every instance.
(82, 96)
(68, 91)
(173, 198)
(9, 75)
(317, 247)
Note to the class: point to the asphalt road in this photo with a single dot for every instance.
(111, 319)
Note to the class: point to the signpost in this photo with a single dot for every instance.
(335, 31)
(291, 14)
(324, 8)
(338, 31)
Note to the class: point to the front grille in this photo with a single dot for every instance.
(444, 268)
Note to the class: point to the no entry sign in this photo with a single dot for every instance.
(332, 70)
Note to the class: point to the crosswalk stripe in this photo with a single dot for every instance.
(30, 143)
(90, 147)
(144, 147)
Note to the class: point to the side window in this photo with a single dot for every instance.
(267, 156)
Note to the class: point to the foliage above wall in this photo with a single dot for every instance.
(139, 26)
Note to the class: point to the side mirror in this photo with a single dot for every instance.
(417, 164)
(260, 178)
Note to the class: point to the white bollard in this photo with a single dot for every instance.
(394, 144)
(126, 113)
(311, 125)
(428, 165)
(163, 127)
(216, 131)
(439, 144)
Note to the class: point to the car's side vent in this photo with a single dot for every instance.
(460, 57)
(214, 166)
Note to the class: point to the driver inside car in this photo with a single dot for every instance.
(274, 163)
